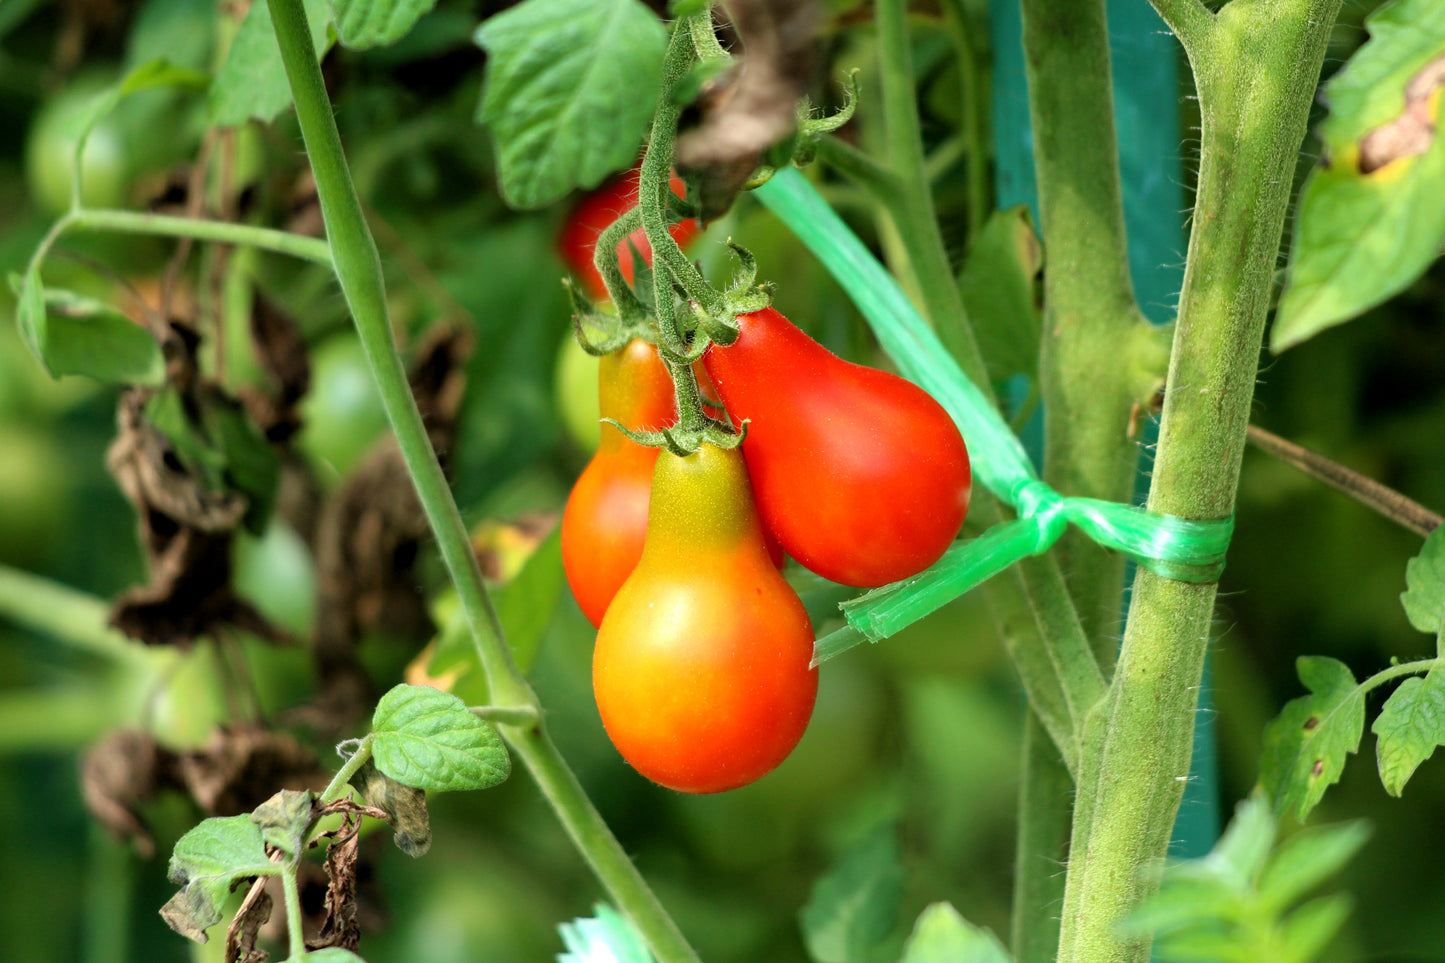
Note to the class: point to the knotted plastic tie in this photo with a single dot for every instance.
(1176, 548)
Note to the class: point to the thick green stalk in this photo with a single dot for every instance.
(1091, 323)
(75, 618)
(359, 271)
(1256, 66)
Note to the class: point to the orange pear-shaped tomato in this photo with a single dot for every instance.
(605, 522)
(701, 669)
(860, 474)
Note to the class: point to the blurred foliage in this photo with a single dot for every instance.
(920, 733)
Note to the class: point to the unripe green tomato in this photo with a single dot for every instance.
(342, 414)
(50, 147)
(575, 393)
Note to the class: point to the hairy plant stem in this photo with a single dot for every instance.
(359, 271)
(1090, 317)
(1256, 66)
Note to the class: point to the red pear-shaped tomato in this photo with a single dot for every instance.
(605, 522)
(595, 213)
(701, 669)
(860, 474)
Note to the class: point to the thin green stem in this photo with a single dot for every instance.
(342, 780)
(359, 271)
(163, 225)
(506, 715)
(1090, 317)
(295, 937)
(75, 618)
(913, 213)
(1256, 76)
(971, 115)
(607, 262)
(859, 168)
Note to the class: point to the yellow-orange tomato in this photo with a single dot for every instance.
(701, 669)
(605, 521)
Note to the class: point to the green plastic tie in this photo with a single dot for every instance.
(1177, 548)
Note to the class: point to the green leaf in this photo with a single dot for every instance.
(941, 935)
(1241, 852)
(606, 937)
(206, 862)
(998, 287)
(1188, 895)
(405, 808)
(1424, 595)
(75, 335)
(570, 88)
(428, 739)
(253, 83)
(853, 907)
(1367, 230)
(284, 819)
(1308, 858)
(526, 603)
(249, 464)
(1306, 744)
(363, 24)
(1410, 725)
(1308, 929)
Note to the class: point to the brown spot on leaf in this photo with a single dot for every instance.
(1311, 723)
(1317, 769)
(1411, 133)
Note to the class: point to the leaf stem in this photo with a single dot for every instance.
(1363, 489)
(295, 938)
(359, 271)
(342, 780)
(1041, 845)
(1190, 20)
(76, 618)
(310, 249)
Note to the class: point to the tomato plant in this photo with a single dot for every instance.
(106, 163)
(604, 523)
(701, 669)
(860, 474)
(595, 212)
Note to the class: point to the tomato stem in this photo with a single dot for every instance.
(605, 257)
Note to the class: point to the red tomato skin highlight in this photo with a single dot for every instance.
(701, 668)
(595, 212)
(605, 522)
(860, 474)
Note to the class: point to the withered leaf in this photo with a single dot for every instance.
(240, 768)
(405, 808)
(255, 912)
(117, 774)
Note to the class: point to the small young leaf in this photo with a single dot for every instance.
(605, 938)
(253, 83)
(1424, 595)
(941, 935)
(1307, 859)
(284, 819)
(998, 287)
(206, 862)
(853, 907)
(405, 808)
(71, 334)
(428, 739)
(1241, 852)
(1309, 928)
(570, 87)
(1410, 725)
(1306, 744)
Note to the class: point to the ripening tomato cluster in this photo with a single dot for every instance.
(702, 668)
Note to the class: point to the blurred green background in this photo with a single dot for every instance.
(920, 733)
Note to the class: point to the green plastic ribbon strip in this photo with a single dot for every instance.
(1176, 548)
